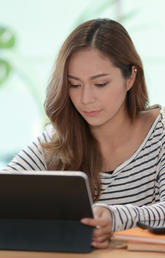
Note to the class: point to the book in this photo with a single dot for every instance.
(133, 246)
(138, 239)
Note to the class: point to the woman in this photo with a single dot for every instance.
(97, 103)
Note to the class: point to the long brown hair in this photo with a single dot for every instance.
(73, 147)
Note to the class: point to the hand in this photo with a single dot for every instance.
(103, 226)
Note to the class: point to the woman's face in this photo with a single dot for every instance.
(97, 88)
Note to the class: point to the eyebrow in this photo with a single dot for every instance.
(92, 77)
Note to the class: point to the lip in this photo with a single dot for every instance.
(92, 113)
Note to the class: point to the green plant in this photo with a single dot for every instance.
(7, 42)
(11, 62)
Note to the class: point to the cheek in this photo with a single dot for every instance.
(120, 93)
(115, 95)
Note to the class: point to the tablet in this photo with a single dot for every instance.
(41, 211)
(55, 195)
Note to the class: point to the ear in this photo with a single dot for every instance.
(131, 79)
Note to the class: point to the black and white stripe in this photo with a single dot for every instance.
(32, 157)
(134, 191)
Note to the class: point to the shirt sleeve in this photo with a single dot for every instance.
(31, 157)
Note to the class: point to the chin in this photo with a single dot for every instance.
(94, 124)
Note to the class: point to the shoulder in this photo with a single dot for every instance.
(47, 134)
(159, 121)
(159, 114)
(152, 112)
(162, 113)
(147, 119)
(151, 115)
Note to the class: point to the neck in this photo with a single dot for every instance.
(111, 136)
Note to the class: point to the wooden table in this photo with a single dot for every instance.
(105, 253)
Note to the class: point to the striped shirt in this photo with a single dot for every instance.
(135, 191)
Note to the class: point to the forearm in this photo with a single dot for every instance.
(127, 216)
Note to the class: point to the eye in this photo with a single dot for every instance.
(71, 85)
(101, 84)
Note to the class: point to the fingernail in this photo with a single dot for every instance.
(93, 244)
(84, 220)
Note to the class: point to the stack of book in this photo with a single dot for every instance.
(138, 239)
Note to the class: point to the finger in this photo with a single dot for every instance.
(101, 238)
(102, 231)
(95, 222)
(102, 245)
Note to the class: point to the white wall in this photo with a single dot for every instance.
(40, 27)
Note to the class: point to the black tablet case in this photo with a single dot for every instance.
(43, 212)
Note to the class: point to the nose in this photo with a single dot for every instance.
(87, 95)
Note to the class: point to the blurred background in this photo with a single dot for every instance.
(31, 33)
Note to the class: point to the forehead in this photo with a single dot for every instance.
(90, 61)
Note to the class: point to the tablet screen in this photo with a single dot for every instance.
(59, 195)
